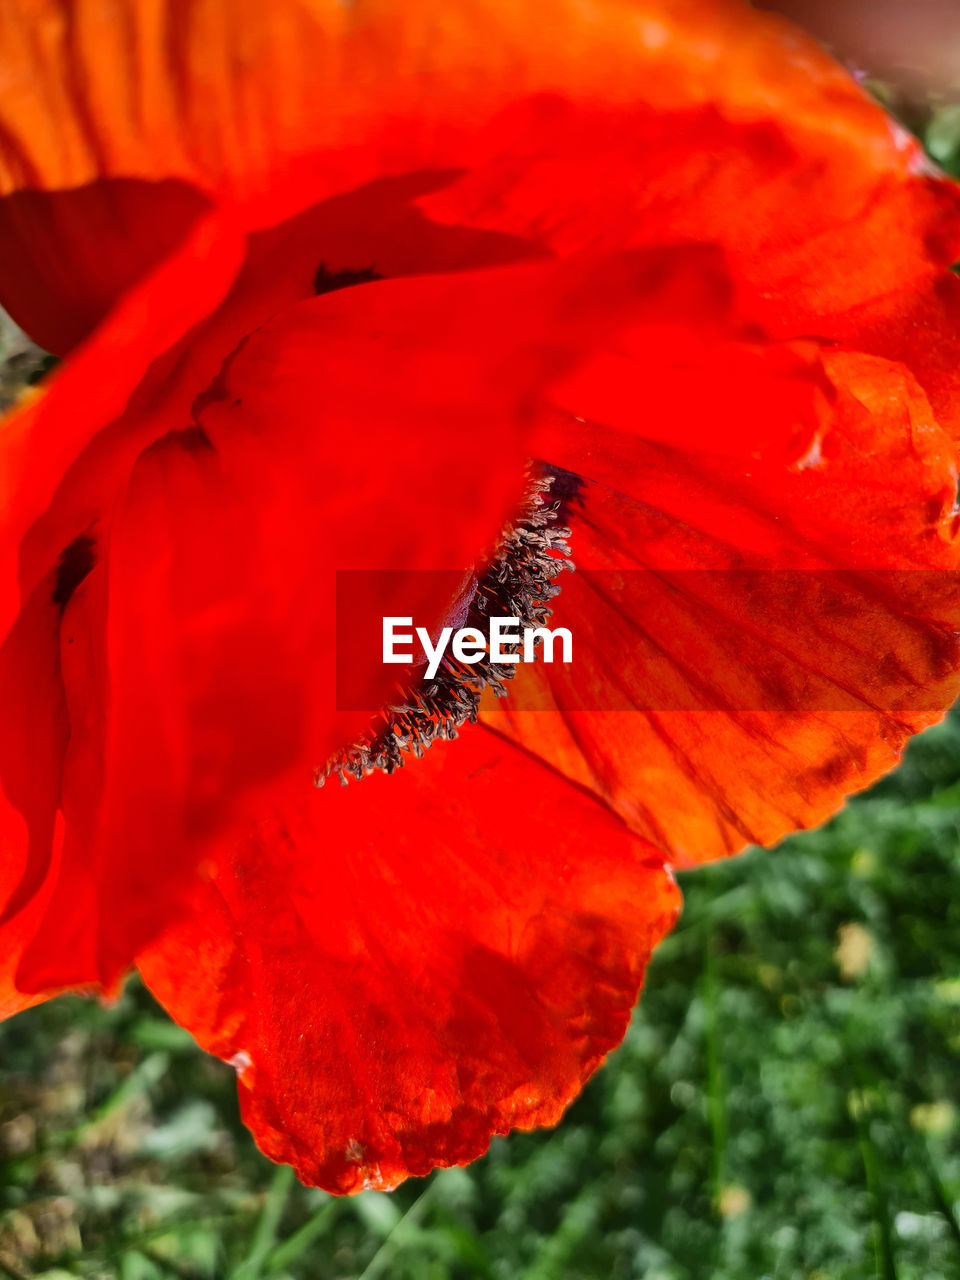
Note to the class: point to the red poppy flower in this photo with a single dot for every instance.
(327, 277)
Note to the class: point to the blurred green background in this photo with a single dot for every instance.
(784, 1105)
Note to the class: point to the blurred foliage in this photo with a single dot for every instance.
(941, 137)
(22, 362)
(784, 1105)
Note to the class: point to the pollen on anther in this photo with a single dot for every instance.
(519, 582)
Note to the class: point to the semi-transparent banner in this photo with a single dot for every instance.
(662, 639)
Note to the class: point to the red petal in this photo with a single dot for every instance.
(41, 444)
(66, 257)
(32, 696)
(211, 663)
(297, 100)
(633, 123)
(843, 207)
(402, 967)
(920, 328)
(824, 207)
(818, 627)
(57, 445)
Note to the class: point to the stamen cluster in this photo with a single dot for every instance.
(519, 582)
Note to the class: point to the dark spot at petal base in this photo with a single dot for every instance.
(327, 281)
(76, 561)
(193, 439)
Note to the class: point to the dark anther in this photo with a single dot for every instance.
(566, 490)
(519, 582)
(327, 281)
(76, 561)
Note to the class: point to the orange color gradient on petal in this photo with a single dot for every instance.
(392, 999)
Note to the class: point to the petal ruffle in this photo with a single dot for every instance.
(34, 712)
(43, 559)
(210, 664)
(233, 96)
(66, 257)
(632, 120)
(402, 967)
(65, 452)
(768, 603)
(822, 204)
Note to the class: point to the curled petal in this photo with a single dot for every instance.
(633, 123)
(402, 967)
(66, 257)
(236, 97)
(65, 452)
(766, 607)
(201, 637)
(46, 553)
(30, 836)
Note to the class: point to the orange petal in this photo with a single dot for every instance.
(768, 603)
(400, 968)
(41, 546)
(59, 437)
(198, 644)
(232, 96)
(34, 706)
(634, 120)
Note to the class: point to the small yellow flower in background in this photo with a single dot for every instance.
(934, 1118)
(854, 951)
(733, 1200)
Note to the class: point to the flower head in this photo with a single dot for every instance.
(328, 278)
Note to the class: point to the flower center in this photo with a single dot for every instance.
(519, 582)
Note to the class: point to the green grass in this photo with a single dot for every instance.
(784, 1105)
